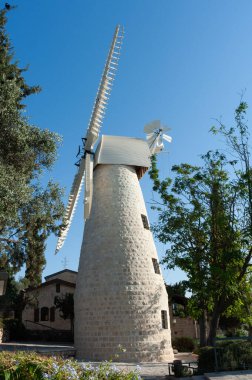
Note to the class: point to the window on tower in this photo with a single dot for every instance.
(156, 266)
(164, 319)
(58, 287)
(145, 222)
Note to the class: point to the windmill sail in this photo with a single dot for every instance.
(104, 90)
(98, 113)
(72, 203)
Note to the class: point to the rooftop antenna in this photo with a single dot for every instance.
(64, 262)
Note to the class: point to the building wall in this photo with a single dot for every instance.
(66, 276)
(45, 295)
(183, 327)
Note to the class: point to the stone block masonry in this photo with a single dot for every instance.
(120, 300)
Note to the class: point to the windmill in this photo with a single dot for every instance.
(120, 296)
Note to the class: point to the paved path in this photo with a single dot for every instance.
(159, 371)
(232, 375)
(155, 370)
(66, 350)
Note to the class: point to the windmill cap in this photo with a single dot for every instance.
(121, 150)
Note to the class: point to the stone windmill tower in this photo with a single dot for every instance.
(120, 296)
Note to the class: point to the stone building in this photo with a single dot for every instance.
(41, 314)
(181, 324)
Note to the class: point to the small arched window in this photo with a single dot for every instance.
(44, 314)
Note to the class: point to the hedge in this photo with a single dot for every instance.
(226, 356)
(183, 344)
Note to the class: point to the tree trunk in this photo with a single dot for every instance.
(250, 332)
(214, 323)
(203, 329)
(72, 325)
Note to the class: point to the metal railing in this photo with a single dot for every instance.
(178, 368)
(41, 324)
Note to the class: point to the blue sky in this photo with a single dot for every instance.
(185, 62)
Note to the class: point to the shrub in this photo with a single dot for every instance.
(14, 329)
(228, 356)
(27, 366)
(242, 332)
(206, 360)
(183, 344)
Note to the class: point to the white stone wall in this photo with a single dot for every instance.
(119, 297)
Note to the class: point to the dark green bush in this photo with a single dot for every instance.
(14, 329)
(227, 356)
(206, 360)
(183, 344)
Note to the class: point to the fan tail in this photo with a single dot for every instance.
(167, 138)
(155, 124)
(155, 136)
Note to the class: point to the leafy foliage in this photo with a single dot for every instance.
(28, 212)
(65, 304)
(177, 289)
(229, 356)
(206, 217)
(183, 344)
(23, 365)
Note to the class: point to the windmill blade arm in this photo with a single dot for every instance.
(104, 89)
(71, 205)
(151, 137)
(95, 123)
(167, 138)
(155, 124)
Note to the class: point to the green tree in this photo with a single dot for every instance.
(28, 212)
(237, 140)
(177, 298)
(201, 218)
(65, 304)
(177, 289)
